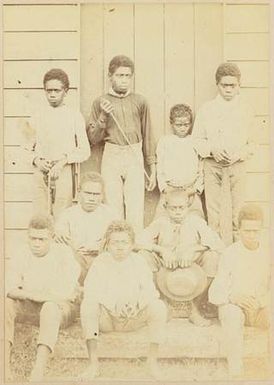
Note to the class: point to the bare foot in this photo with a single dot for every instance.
(91, 372)
(197, 319)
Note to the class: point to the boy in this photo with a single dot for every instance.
(82, 226)
(221, 131)
(34, 288)
(178, 164)
(59, 143)
(241, 287)
(120, 293)
(125, 151)
(179, 239)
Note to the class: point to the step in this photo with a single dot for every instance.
(183, 340)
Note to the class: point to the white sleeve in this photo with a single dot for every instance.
(220, 289)
(81, 152)
(160, 153)
(199, 134)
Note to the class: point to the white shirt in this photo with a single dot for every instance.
(225, 124)
(241, 271)
(55, 130)
(193, 230)
(112, 282)
(56, 273)
(178, 161)
(85, 228)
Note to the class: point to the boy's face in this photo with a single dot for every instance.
(90, 196)
(250, 231)
(121, 79)
(119, 245)
(228, 87)
(181, 126)
(55, 92)
(39, 241)
(176, 207)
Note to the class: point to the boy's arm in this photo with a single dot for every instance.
(199, 134)
(209, 237)
(220, 289)
(62, 229)
(161, 177)
(147, 240)
(97, 123)
(81, 151)
(199, 182)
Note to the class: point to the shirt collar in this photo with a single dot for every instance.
(113, 93)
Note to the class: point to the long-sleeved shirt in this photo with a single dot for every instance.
(226, 125)
(111, 282)
(192, 231)
(132, 112)
(54, 274)
(241, 271)
(85, 228)
(178, 161)
(58, 131)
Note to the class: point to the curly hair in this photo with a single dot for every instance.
(120, 61)
(227, 69)
(250, 212)
(56, 74)
(179, 110)
(118, 227)
(41, 222)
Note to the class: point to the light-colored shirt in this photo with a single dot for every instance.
(224, 124)
(55, 274)
(85, 228)
(193, 230)
(58, 131)
(241, 271)
(112, 282)
(132, 112)
(178, 161)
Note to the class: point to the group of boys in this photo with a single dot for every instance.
(99, 244)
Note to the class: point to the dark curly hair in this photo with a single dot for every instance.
(57, 74)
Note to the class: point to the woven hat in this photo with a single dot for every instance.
(182, 284)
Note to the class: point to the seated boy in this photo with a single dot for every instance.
(178, 164)
(241, 287)
(119, 295)
(83, 226)
(221, 131)
(180, 238)
(127, 146)
(57, 142)
(34, 288)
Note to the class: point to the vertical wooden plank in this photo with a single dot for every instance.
(92, 69)
(179, 55)
(149, 60)
(208, 49)
(118, 32)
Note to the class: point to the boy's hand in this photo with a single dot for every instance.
(220, 155)
(43, 164)
(64, 239)
(106, 106)
(245, 301)
(57, 168)
(169, 259)
(186, 261)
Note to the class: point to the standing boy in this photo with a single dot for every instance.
(83, 226)
(42, 282)
(178, 164)
(221, 130)
(241, 287)
(58, 143)
(180, 239)
(126, 146)
(120, 295)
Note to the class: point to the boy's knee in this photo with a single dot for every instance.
(231, 314)
(210, 261)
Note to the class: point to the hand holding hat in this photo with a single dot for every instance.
(170, 260)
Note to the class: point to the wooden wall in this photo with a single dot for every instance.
(176, 48)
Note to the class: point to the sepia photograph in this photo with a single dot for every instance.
(136, 192)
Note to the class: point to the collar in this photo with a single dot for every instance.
(113, 93)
